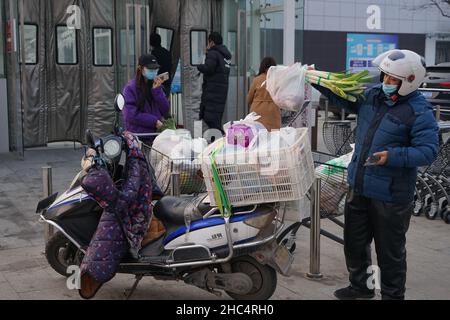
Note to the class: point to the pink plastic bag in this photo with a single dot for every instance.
(240, 134)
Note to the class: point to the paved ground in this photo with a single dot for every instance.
(25, 274)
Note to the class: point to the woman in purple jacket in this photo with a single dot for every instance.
(145, 101)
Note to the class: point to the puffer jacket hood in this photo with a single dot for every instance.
(223, 51)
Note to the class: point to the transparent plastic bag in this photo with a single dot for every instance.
(286, 85)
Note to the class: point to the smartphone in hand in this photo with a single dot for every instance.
(372, 161)
(164, 76)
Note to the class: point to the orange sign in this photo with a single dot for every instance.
(10, 45)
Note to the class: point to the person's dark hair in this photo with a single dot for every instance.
(155, 40)
(216, 38)
(266, 63)
(144, 88)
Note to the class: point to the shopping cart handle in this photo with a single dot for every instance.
(144, 135)
(300, 111)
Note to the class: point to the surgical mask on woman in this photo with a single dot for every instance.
(150, 74)
(389, 89)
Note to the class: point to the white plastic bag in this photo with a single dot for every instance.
(286, 85)
(179, 149)
(336, 165)
(169, 139)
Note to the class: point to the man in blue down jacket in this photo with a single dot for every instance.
(396, 127)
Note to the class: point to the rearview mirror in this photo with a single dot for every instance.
(119, 102)
(90, 139)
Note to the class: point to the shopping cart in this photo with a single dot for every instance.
(288, 118)
(185, 172)
(338, 135)
(432, 197)
(334, 189)
(334, 185)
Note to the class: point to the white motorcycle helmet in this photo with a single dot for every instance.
(405, 65)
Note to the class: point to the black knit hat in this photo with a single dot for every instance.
(149, 61)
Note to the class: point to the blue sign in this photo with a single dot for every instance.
(176, 81)
(363, 48)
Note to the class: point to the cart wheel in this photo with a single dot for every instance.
(418, 208)
(431, 211)
(445, 215)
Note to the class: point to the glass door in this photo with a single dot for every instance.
(133, 20)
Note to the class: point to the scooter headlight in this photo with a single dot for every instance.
(112, 148)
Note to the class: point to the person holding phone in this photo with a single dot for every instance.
(396, 134)
(145, 100)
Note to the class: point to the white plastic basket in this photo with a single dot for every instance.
(283, 174)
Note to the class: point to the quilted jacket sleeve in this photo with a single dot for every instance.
(424, 144)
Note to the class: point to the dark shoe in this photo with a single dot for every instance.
(386, 297)
(350, 293)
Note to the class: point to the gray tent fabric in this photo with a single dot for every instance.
(60, 101)
(195, 15)
(101, 84)
(13, 84)
(33, 78)
(168, 16)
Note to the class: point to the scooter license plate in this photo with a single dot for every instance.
(283, 259)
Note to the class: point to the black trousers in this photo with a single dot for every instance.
(386, 223)
(213, 120)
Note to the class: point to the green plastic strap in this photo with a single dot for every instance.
(329, 75)
(318, 82)
(220, 194)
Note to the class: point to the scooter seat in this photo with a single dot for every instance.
(170, 210)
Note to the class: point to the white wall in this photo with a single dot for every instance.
(397, 16)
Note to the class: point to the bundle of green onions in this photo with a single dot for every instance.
(168, 124)
(349, 86)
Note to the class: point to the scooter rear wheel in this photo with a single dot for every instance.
(61, 253)
(264, 278)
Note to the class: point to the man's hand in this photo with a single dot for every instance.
(159, 124)
(383, 158)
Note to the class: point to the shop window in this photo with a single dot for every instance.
(30, 42)
(232, 40)
(166, 37)
(198, 47)
(442, 51)
(103, 53)
(66, 45)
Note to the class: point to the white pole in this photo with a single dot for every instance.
(289, 32)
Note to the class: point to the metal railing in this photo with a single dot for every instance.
(176, 107)
(47, 189)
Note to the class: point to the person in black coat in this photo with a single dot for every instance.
(216, 71)
(164, 58)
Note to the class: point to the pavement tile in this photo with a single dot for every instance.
(7, 292)
(33, 279)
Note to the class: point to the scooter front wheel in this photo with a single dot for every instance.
(61, 253)
(264, 278)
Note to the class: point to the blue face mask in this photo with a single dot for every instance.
(389, 89)
(150, 74)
